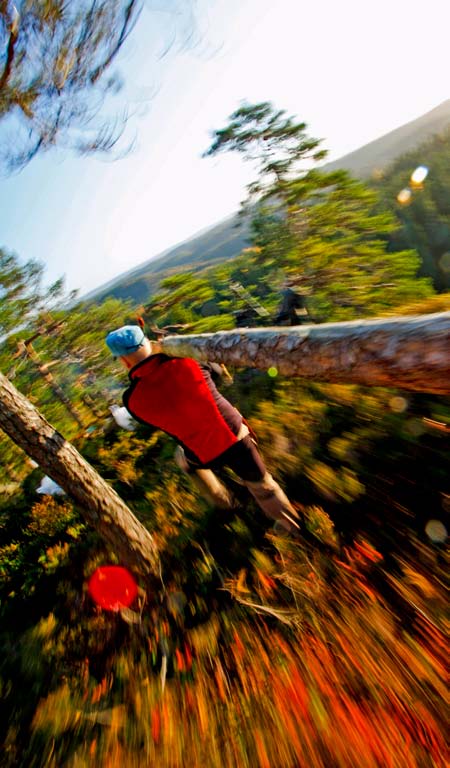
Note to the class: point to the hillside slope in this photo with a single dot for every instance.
(226, 239)
(381, 152)
(218, 243)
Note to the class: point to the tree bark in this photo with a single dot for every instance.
(98, 503)
(407, 352)
(48, 377)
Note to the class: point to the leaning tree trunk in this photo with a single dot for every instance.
(53, 385)
(407, 352)
(99, 504)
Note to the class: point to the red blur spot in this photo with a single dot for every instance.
(112, 587)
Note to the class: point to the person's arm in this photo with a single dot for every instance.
(219, 372)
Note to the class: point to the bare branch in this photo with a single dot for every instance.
(9, 58)
(131, 15)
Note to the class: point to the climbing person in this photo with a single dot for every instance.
(178, 396)
(292, 309)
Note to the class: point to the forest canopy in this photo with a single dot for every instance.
(342, 630)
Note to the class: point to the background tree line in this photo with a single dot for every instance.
(181, 673)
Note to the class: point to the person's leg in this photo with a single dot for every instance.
(274, 502)
(207, 483)
(245, 460)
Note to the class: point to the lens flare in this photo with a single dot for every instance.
(398, 404)
(272, 372)
(404, 196)
(436, 531)
(419, 175)
(112, 587)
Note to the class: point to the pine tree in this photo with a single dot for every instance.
(422, 209)
(275, 143)
(56, 74)
(321, 230)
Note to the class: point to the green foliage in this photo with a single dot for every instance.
(340, 256)
(327, 232)
(424, 217)
(334, 629)
(335, 250)
(226, 240)
(22, 295)
(273, 142)
(48, 518)
(56, 74)
(38, 538)
(236, 606)
(199, 304)
(121, 457)
(70, 342)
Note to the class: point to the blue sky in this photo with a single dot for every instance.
(351, 70)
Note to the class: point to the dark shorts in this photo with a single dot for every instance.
(243, 458)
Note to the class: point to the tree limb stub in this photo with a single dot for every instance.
(410, 352)
(99, 504)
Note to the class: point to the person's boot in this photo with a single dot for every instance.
(274, 503)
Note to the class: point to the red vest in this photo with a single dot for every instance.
(175, 395)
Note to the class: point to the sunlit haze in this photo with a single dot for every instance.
(352, 71)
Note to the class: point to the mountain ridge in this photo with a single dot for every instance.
(394, 143)
(227, 237)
